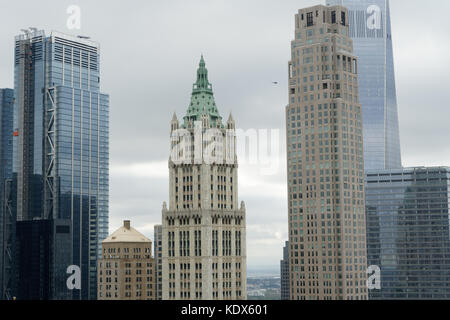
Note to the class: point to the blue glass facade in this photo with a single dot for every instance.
(370, 29)
(82, 172)
(6, 220)
(28, 142)
(408, 223)
(66, 150)
(284, 273)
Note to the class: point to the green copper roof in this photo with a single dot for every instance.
(202, 99)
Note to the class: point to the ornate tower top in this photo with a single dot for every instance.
(202, 100)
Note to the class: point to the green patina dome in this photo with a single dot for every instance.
(202, 99)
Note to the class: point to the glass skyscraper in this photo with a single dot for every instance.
(284, 272)
(61, 152)
(408, 222)
(6, 219)
(370, 29)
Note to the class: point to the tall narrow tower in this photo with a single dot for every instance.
(60, 163)
(203, 232)
(370, 29)
(327, 234)
(7, 218)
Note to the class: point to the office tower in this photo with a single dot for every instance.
(126, 270)
(284, 268)
(204, 241)
(327, 235)
(33, 243)
(370, 29)
(7, 220)
(158, 261)
(408, 232)
(61, 154)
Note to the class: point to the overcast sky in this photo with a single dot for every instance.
(149, 55)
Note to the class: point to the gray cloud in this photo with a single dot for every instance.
(150, 52)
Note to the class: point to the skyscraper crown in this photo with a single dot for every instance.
(202, 100)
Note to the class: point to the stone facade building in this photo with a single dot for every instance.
(327, 228)
(203, 233)
(127, 268)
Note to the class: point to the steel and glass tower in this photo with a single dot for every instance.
(7, 220)
(61, 157)
(284, 273)
(408, 232)
(370, 29)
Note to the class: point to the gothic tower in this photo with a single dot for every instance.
(203, 235)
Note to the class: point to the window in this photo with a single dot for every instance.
(343, 18)
(333, 17)
(309, 19)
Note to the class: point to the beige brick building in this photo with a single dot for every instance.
(127, 268)
(327, 229)
(203, 231)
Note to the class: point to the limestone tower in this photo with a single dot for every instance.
(203, 233)
(327, 225)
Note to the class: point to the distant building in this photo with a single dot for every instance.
(284, 267)
(7, 218)
(158, 260)
(126, 270)
(408, 223)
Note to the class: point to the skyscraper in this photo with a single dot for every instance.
(408, 236)
(7, 220)
(370, 29)
(284, 273)
(203, 233)
(327, 234)
(61, 153)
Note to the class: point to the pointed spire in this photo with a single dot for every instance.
(202, 99)
(174, 118)
(202, 76)
(202, 62)
(230, 118)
